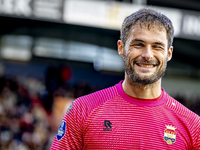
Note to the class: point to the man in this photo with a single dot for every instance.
(136, 113)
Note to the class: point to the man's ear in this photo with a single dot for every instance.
(170, 51)
(120, 48)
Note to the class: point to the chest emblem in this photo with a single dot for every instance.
(170, 134)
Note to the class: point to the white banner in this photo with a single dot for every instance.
(109, 14)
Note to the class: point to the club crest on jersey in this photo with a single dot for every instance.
(170, 134)
(61, 131)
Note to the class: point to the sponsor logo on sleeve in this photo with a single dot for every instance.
(61, 131)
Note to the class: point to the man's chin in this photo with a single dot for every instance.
(143, 80)
(145, 76)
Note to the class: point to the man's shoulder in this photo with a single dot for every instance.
(181, 110)
(95, 99)
(106, 93)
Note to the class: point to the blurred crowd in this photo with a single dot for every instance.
(29, 119)
(24, 123)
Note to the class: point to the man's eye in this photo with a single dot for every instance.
(157, 47)
(139, 44)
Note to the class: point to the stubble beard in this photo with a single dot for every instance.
(139, 81)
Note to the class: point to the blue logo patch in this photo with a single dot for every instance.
(61, 131)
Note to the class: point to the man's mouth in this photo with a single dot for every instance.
(145, 65)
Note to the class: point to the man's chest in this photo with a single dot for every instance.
(134, 128)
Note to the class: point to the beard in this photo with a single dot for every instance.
(143, 81)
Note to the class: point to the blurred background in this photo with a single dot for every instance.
(53, 51)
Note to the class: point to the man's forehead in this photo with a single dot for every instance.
(160, 33)
(157, 29)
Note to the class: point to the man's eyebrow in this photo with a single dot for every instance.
(139, 40)
(159, 43)
(136, 40)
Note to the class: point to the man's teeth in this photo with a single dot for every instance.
(146, 66)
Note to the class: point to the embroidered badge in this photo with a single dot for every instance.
(170, 134)
(70, 108)
(61, 131)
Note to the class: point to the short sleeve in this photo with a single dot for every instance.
(69, 135)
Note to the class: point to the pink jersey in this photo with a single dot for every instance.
(111, 119)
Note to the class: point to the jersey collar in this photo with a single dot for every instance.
(142, 102)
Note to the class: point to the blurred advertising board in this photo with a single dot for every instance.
(96, 13)
(36, 9)
(16, 47)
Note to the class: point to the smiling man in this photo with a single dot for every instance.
(146, 51)
(136, 113)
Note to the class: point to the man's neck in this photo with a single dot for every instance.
(146, 92)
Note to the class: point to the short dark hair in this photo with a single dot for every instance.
(150, 17)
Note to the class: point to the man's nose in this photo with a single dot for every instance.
(147, 53)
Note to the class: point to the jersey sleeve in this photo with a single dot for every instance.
(69, 134)
(197, 136)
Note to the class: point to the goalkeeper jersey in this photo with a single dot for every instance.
(111, 119)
